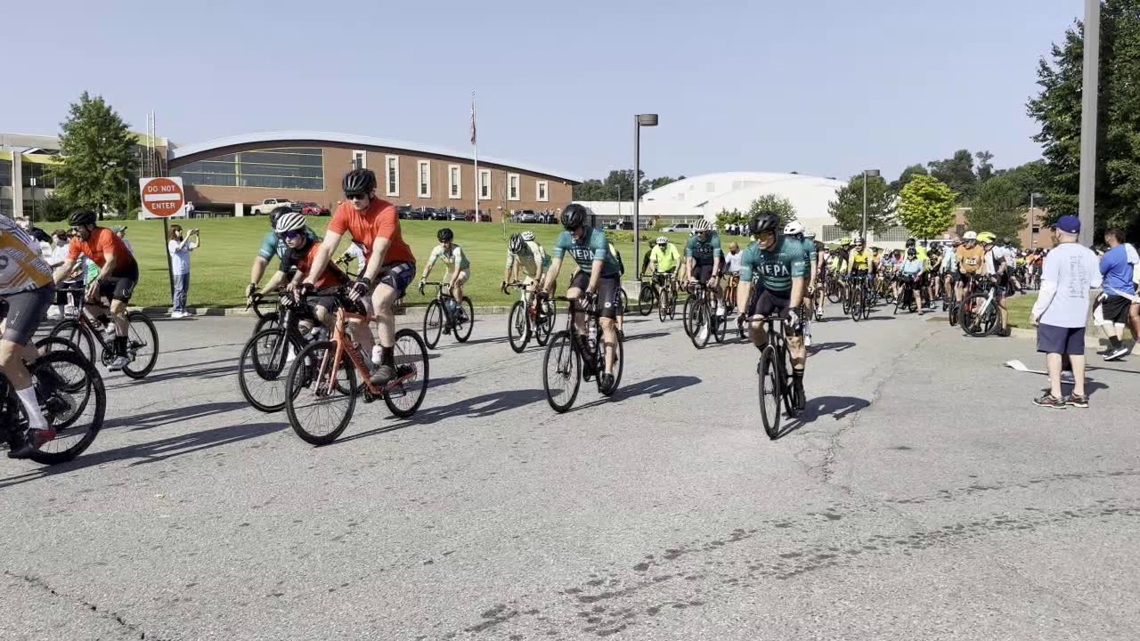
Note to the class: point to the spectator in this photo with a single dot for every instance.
(1119, 290)
(180, 249)
(121, 232)
(36, 232)
(1062, 310)
(67, 303)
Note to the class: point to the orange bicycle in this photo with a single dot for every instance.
(324, 376)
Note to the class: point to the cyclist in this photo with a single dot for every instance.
(27, 286)
(527, 256)
(910, 272)
(997, 267)
(795, 231)
(271, 245)
(705, 259)
(779, 265)
(621, 272)
(598, 275)
(298, 261)
(390, 265)
(950, 268)
(859, 262)
(971, 261)
(665, 259)
(458, 265)
(117, 278)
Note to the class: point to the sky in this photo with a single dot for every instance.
(822, 87)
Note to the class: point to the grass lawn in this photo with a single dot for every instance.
(219, 271)
(1019, 308)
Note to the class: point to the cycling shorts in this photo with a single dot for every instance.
(702, 273)
(25, 310)
(768, 303)
(398, 276)
(120, 285)
(464, 276)
(608, 287)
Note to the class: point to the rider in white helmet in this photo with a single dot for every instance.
(795, 231)
(706, 260)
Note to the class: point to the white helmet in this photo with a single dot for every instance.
(704, 225)
(809, 234)
(289, 221)
(661, 240)
(528, 236)
(793, 228)
(970, 235)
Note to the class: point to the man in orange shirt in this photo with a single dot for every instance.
(118, 276)
(389, 263)
(971, 261)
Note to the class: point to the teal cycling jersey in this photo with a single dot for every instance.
(704, 252)
(272, 246)
(777, 268)
(811, 253)
(593, 247)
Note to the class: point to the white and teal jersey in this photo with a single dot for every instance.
(704, 252)
(777, 268)
(456, 257)
(529, 257)
(593, 247)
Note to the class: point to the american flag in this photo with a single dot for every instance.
(472, 117)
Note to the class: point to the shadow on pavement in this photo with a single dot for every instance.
(837, 407)
(835, 346)
(478, 407)
(154, 451)
(174, 415)
(219, 371)
(479, 341)
(639, 337)
(656, 387)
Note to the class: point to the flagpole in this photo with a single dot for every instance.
(475, 147)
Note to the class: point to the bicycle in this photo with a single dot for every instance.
(579, 357)
(268, 352)
(700, 314)
(328, 369)
(775, 376)
(955, 307)
(443, 315)
(67, 385)
(979, 311)
(528, 318)
(84, 330)
(906, 299)
(858, 305)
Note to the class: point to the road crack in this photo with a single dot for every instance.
(110, 615)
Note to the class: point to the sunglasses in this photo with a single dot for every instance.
(356, 196)
(290, 235)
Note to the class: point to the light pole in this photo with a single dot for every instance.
(867, 173)
(1090, 87)
(639, 121)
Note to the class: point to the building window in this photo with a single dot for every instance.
(895, 234)
(5, 173)
(485, 184)
(832, 233)
(392, 164)
(292, 168)
(359, 160)
(454, 188)
(541, 193)
(425, 179)
(512, 187)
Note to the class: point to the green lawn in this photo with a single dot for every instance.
(1019, 308)
(219, 271)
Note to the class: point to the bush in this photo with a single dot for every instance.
(55, 209)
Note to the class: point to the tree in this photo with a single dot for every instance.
(999, 207)
(926, 207)
(649, 185)
(1057, 109)
(957, 172)
(99, 167)
(847, 208)
(772, 204)
(985, 167)
(907, 175)
(56, 208)
(734, 217)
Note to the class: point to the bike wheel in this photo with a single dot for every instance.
(561, 372)
(433, 324)
(646, 300)
(685, 317)
(702, 325)
(672, 304)
(663, 304)
(719, 327)
(49, 344)
(463, 330)
(72, 331)
(142, 345)
(518, 327)
(834, 295)
(867, 303)
(73, 395)
(853, 306)
(545, 325)
(623, 298)
(262, 366)
(313, 388)
(770, 391)
(406, 393)
(267, 321)
(619, 366)
(788, 388)
(979, 316)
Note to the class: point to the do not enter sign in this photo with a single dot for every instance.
(162, 197)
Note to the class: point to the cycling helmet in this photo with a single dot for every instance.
(970, 235)
(661, 240)
(85, 217)
(911, 252)
(444, 235)
(703, 225)
(910, 242)
(793, 228)
(573, 217)
(846, 240)
(986, 238)
(289, 221)
(515, 244)
(359, 181)
(762, 223)
(809, 234)
(528, 236)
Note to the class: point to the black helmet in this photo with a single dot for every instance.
(573, 217)
(763, 222)
(910, 242)
(359, 181)
(444, 235)
(911, 252)
(84, 217)
(515, 244)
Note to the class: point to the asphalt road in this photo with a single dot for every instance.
(923, 497)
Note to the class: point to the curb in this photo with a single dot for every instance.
(407, 312)
(1093, 338)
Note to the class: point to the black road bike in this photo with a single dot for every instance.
(445, 316)
(528, 318)
(572, 357)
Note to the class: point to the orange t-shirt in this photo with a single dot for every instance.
(96, 246)
(378, 221)
(970, 260)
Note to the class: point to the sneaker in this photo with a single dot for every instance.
(807, 340)
(383, 374)
(1077, 401)
(53, 313)
(377, 354)
(119, 363)
(703, 334)
(720, 310)
(606, 382)
(1117, 353)
(1048, 400)
(34, 440)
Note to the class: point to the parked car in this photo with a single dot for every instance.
(526, 216)
(313, 209)
(483, 217)
(417, 214)
(679, 227)
(269, 205)
(624, 224)
(431, 213)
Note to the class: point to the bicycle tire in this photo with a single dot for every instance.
(623, 299)
(686, 321)
(788, 389)
(561, 346)
(767, 373)
(249, 364)
(518, 327)
(434, 319)
(619, 366)
(834, 294)
(268, 320)
(74, 332)
(720, 327)
(543, 329)
(979, 326)
(57, 344)
(130, 370)
(301, 365)
(462, 331)
(424, 379)
(866, 311)
(95, 389)
(703, 318)
(646, 299)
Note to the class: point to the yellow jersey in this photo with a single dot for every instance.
(22, 268)
(860, 260)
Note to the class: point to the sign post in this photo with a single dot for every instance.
(163, 197)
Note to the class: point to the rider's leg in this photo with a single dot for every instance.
(609, 336)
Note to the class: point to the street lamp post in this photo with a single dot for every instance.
(639, 121)
(1090, 88)
(867, 173)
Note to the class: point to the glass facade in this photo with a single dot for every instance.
(30, 170)
(5, 173)
(288, 168)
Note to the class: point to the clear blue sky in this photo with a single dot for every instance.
(826, 87)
